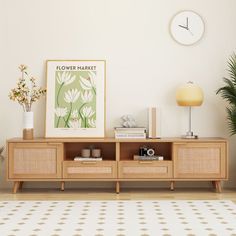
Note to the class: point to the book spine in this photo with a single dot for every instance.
(87, 159)
(128, 135)
(147, 158)
(131, 129)
(154, 124)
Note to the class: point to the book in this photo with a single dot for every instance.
(131, 130)
(154, 122)
(148, 158)
(87, 158)
(134, 132)
(130, 135)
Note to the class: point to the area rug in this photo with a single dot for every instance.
(117, 218)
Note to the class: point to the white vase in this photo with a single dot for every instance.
(28, 125)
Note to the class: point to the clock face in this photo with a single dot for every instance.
(187, 27)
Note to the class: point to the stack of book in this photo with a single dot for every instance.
(87, 158)
(136, 132)
(148, 158)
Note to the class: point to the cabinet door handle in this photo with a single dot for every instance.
(89, 162)
(145, 162)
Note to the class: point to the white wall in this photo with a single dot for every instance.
(144, 64)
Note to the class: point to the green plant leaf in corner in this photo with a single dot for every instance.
(228, 93)
(231, 116)
(1, 151)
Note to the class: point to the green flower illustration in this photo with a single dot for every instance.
(75, 99)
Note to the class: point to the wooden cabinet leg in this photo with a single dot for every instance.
(16, 186)
(218, 186)
(213, 184)
(62, 185)
(21, 185)
(172, 187)
(117, 187)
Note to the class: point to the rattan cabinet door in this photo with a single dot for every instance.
(34, 160)
(200, 160)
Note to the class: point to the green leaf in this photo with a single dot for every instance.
(228, 93)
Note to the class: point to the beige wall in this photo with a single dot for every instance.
(144, 64)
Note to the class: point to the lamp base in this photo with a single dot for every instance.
(190, 135)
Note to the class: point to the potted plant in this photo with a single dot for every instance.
(228, 93)
(26, 93)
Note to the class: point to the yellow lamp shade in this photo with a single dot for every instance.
(189, 94)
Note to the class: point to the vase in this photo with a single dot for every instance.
(28, 125)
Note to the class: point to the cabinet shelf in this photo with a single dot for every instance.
(128, 150)
(71, 150)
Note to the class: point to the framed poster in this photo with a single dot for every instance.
(75, 105)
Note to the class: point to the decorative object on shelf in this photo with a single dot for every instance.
(154, 122)
(76, 98)
(28, 125)
(85, 153)
(146, 151)
(189, 95)
(187, 27)
(228, 93)
(89, 154)
(128, 121)
(96, 152)
(26, 93)
(143, 151)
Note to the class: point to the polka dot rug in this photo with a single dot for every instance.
(118, 218)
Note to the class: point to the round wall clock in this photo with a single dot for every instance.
(187, 27)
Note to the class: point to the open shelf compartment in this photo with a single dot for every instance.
(108, 150)
(128, 150)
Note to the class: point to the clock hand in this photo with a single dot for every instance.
(188, 27)
(190, 32)
(183, 27)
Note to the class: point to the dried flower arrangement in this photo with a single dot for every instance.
(26, 92)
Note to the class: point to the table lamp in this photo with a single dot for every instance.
(189, 95)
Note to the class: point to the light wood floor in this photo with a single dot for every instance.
(105, 194)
